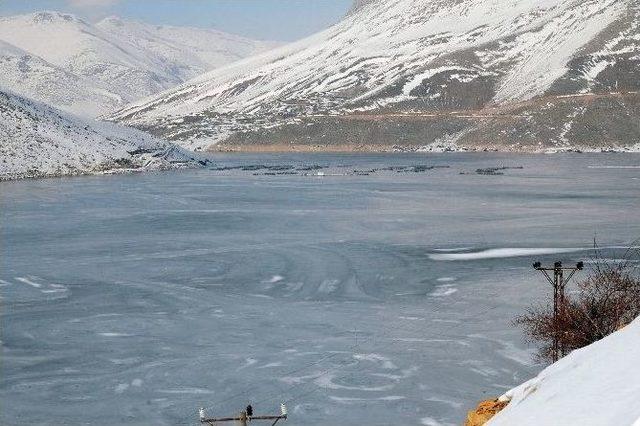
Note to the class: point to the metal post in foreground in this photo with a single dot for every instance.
(559, 283)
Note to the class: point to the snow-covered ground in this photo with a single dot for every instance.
(598, 385)
(90, 69)
(37, 140)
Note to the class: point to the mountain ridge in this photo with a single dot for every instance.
(115, 61)
(413, 55)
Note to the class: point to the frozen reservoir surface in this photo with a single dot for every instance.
(358, 289)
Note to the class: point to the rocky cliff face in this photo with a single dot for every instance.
(521, 75)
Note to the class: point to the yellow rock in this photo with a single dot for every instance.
(484, 412)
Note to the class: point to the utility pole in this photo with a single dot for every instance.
(559, 283)
(244, 417)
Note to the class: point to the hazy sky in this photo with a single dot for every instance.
(263, 19)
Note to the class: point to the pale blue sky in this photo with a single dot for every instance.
(262, 19)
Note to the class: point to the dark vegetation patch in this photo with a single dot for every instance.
(492, 171)
(315, 169)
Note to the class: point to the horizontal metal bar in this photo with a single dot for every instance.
(231, 419)
(267, 417)
(222, 419)
(557, 269)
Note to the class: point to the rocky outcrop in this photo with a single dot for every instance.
(485, 412)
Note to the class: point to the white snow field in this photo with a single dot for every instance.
(407, 54)
(37, 140)
(598, 385)
(90, 69)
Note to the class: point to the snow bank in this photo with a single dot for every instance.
(598, 385)
(37, 141)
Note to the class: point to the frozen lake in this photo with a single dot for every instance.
(379, 293)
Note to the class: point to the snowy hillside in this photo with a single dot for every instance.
(482, 73)
(90, 69)
(35, 78)
(37, 140)
(189, 51)
(598, 385)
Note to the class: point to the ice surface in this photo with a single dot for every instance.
(28, 281)
(167, 266)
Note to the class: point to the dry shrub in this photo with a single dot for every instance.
(608, 299)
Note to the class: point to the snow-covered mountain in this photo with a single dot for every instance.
(598, 385)
(37, 140)
(89, 69)
(522, 74)
(187, 51)
(33, 77)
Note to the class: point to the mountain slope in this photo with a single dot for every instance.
(112, 63)
(37, 140)
(596, 385)
(188, 52)
(435, 57)
(33, 77)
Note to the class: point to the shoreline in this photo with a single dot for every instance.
(113, 171)
(284, 148)
(294, 149)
